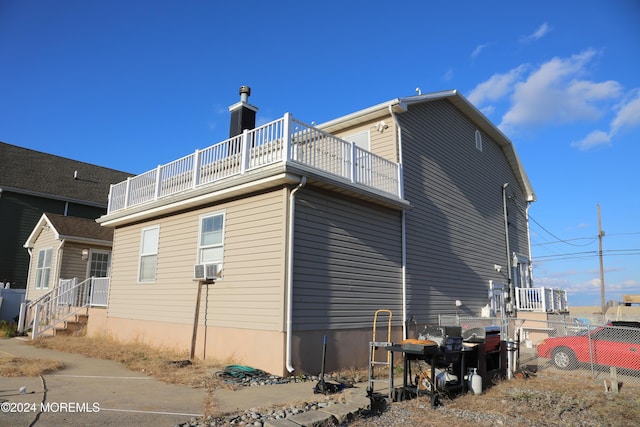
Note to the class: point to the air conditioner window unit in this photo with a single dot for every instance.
(207, 271)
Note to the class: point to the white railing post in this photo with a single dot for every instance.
(544, 299)
(246, 148)
(36, 322)
(354, 164)
(196, 169)
(156, 193)
(286, 136)
(22, 319)
(126, 192)
(518, 298)
(400, 182)
(109, 201)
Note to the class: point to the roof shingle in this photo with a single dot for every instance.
(34, 171)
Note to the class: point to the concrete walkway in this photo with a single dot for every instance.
(91, 392)
(103, 393)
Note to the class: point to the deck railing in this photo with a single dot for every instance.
(285, 140)
(541, 299)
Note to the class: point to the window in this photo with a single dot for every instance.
(99, 263)
(521, 271)
(43, 269)
(148, 254)
(211, 241)
(478, 140)
(360, 139)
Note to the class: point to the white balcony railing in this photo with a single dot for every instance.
(285, 140)
(541, 300)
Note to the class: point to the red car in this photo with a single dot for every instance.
(616, 344)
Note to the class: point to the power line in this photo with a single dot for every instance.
(591, 240)
(559, 239)
(587, 254)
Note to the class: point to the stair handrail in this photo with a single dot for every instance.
(56, 306)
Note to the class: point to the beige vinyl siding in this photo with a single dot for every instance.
(383, 143)
(45, 240)
(72, 263)
(347, 262)
(455, 231)
(249, 295)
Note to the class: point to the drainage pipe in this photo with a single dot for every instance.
(530, 266)
(506, 237)
(290, 241)
(403, 227)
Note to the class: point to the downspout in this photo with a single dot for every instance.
(403, 228)
(506, 237)
(291, 215)
(530, 266)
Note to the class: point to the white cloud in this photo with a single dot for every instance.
(540, 32)
(554, 94)
(628, 115)
(594, 139)
(478, 49)
(498, 86)
(448, 75)
(559, 92)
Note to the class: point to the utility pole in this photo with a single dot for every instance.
(600, 236)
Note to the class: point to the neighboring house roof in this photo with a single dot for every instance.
(72, 229)
(45, 175)
(400, 105)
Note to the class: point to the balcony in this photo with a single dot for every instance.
(542, 300)
(286, 141)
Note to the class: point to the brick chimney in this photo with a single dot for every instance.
(243, 114)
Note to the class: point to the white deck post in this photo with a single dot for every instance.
(36, 322)
(400, 188)
(246, 147)
(126, 193)
(196, 169)
(22, 319)
(354, 165)
(109, 202)
(158, 183)
(286, 131)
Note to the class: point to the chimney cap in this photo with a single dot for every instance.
(245, 89)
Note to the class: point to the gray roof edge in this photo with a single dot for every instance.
(51, 196)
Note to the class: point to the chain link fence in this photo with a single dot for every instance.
(598, 347)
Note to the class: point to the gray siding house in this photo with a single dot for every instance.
(32, 183)
(417, 205)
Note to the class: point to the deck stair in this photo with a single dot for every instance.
(76, 327)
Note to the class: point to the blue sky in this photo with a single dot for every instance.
(133, 84)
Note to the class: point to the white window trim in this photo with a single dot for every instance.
(224, 224)
(37, 283)
(98, 251)
(141, 254)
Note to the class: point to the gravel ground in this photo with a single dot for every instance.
(549, 399)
